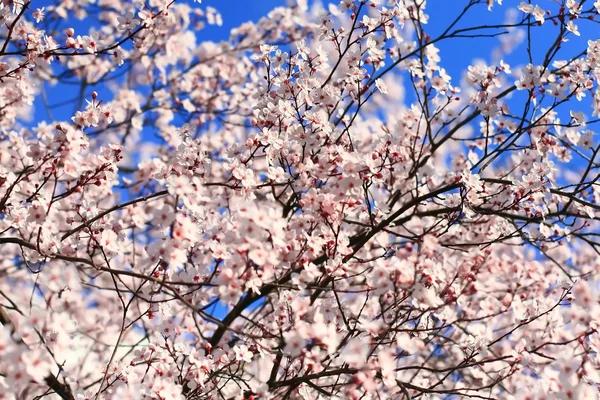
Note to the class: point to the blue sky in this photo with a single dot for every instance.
(456, 54)
(234, 12)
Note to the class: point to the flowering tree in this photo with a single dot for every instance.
(312, 209)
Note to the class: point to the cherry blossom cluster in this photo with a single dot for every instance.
(313, 208)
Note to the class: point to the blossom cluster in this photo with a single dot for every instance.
(297, 227)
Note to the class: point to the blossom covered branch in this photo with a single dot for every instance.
(311, 209)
